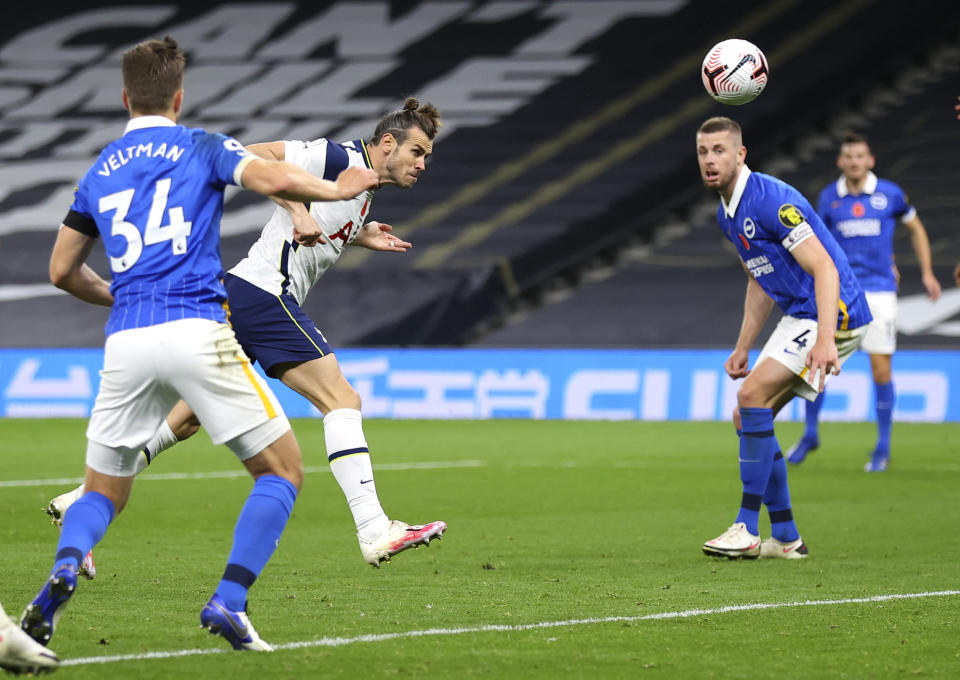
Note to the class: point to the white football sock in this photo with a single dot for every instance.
(162, 440)
(350, 464)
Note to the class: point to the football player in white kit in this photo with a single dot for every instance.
(267, 288)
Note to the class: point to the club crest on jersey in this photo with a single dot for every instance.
(878, 201)
(790, 216)
(749, 228)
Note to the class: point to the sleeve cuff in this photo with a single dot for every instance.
(797, 235)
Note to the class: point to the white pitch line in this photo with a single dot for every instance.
(241, 472)
(499, 628)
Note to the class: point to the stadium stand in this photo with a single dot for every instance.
(568, 143)
(689, 269)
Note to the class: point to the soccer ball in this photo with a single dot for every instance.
(735, 72)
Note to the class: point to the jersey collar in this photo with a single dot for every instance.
(360, 144)
(141, 122)
(869, 185)
(731, 209)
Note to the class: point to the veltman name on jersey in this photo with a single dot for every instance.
(851, 228)
(759, 266)
(118, 159)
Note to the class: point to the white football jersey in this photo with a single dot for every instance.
(275, 262)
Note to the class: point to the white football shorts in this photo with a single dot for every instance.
(881, 336)
(793, 338)
(146, 370)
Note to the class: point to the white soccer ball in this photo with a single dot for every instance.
(735, 72)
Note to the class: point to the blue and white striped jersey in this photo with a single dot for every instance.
(156, 197)
(863, 226)
(766, 219)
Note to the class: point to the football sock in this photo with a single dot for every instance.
(777, 500)
(350, 464)
(757, 448)
(259, 527)
(885, 399)
(811, 431)
(162, 440)
(84, 524)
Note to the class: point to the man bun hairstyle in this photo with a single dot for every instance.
(153, 74)
(397, 123)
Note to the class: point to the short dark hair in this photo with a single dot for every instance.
(425, 117)
(720, 124)
(851, 137)
(153, 74)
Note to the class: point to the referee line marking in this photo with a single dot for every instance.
(500, 628)
(242, 472)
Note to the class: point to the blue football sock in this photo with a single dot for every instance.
(84, 524)
(777, 500)
(258, 530)
(811, 430)
(757, 448)
(885, 399)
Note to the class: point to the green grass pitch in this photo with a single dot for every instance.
(549, 522)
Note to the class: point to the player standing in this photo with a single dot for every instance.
(791, 261)
(156, 197)
(268, 287)
(862, 211)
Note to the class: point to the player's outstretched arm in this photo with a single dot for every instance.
(816, 261)
(69, 271)
(377, 236)
(286, 180)
(306, 231)
(921, 246)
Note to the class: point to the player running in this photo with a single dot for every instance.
(156, 196)
(267, 290)
(862, 211)
(791, 261)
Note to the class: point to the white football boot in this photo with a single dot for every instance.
(19, 653)
(733, 543)
(792, 550)
(57, 508)
(397, 537)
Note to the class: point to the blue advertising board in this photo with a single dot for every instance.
(571, 384)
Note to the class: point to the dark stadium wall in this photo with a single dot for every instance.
(567, 131)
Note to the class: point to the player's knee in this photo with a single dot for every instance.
(748, 396)
(345, 397)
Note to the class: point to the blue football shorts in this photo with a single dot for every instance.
(272, 329)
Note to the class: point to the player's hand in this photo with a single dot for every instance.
(956, 275)
(822, 358)
(306, 231)
(957, 108)
(896, 274)
(737, 364)
(377, 236)
(354, 181)
(933, 287)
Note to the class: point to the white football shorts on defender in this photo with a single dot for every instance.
(881, 335)
(146, 370)
(792, 340)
